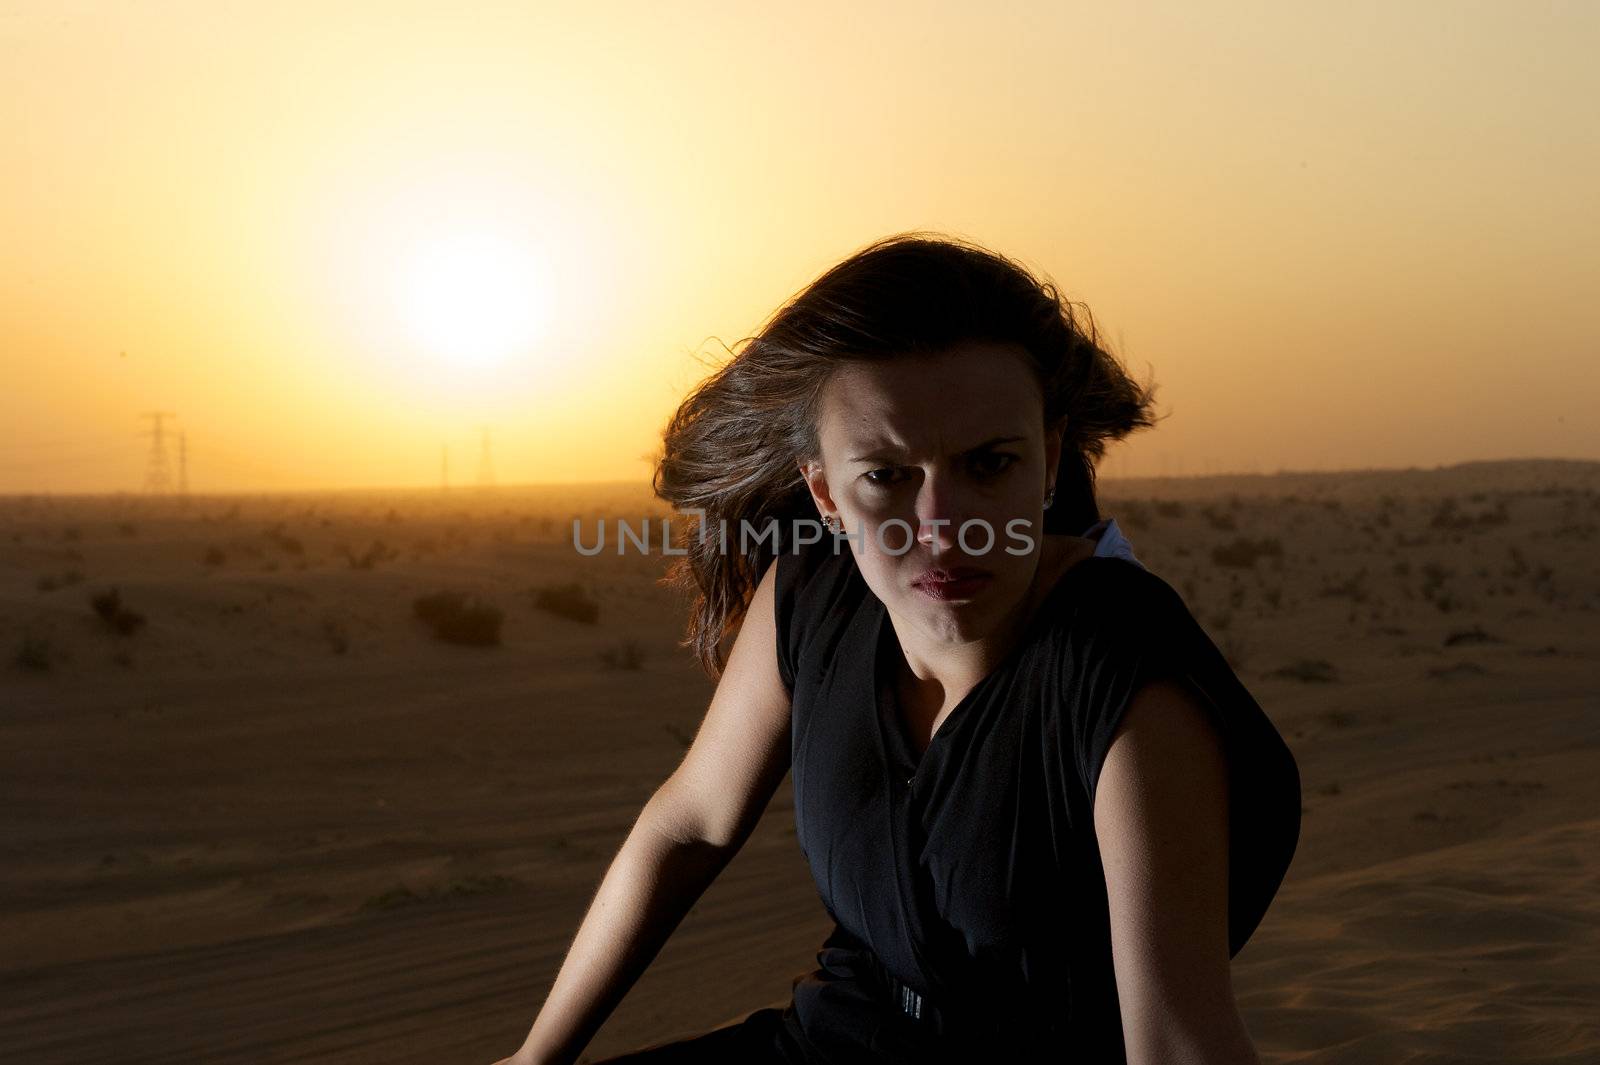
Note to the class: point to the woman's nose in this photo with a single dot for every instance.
(938, 518)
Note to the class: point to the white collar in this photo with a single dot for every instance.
(1110, 541)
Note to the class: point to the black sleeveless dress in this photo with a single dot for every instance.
(965, 885)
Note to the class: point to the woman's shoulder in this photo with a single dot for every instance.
(1110, 592)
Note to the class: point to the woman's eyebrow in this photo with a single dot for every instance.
(891, 450)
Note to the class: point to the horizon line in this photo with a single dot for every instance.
(477, 489)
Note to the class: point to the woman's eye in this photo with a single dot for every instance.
(994, 463)
(882, 477)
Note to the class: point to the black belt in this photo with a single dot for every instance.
(913, 1004)
(914, 1007)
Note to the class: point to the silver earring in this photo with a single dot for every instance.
(827, 521)
(1049, 497)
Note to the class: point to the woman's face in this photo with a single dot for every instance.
(939, 461)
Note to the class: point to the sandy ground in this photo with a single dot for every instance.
(280, 821)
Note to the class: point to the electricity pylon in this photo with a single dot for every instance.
(158, 471)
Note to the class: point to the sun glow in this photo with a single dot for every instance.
(474, 300)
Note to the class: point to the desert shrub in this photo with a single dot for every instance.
(375, 552)
(128, 528)
(1219, 520)
(1449, 515)
(1472, 635)
(33, 653)
(568, 601)
(626, 655)
(1352, 587)
(51, 581)
(1308, 671)
(1170, 508)
(214, 556)
(117, 617)
(455, 618)
(284, 541)
(1456, 669)
(1243, 552)
(1132, 513)
(336, 634)
(1433, 587)
(1433, 577)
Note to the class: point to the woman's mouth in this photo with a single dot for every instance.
(947, 586)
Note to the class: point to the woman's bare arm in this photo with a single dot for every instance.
(683, 838)
(1161, 818)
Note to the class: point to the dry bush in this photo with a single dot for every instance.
(1308, 671)
(1132, 513)
(285, 542)
(338, 637)
(375, 552)
(1472, 635)
(51, 581)
(1457, 669)
(625, 655)
(568, 601)
(1243, 552)
(1352, 588)
(1449, 515)
(110, 610)
(459, 619)
(33, 653)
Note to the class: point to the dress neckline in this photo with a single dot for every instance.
(897, 744)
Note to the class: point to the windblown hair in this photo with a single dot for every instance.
(733, 449)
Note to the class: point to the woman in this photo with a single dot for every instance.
(1039, 806)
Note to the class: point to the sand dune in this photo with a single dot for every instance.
(279, 820)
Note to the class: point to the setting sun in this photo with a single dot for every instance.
(473, 299)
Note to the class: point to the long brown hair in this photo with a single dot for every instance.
(733, 448)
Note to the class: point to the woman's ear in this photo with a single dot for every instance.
(817, 482)
(1054, 436)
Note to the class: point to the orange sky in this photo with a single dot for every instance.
(335, 238)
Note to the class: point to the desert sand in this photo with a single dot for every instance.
(280, 820)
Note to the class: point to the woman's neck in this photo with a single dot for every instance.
(930, 685)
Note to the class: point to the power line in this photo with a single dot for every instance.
(158, 470)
